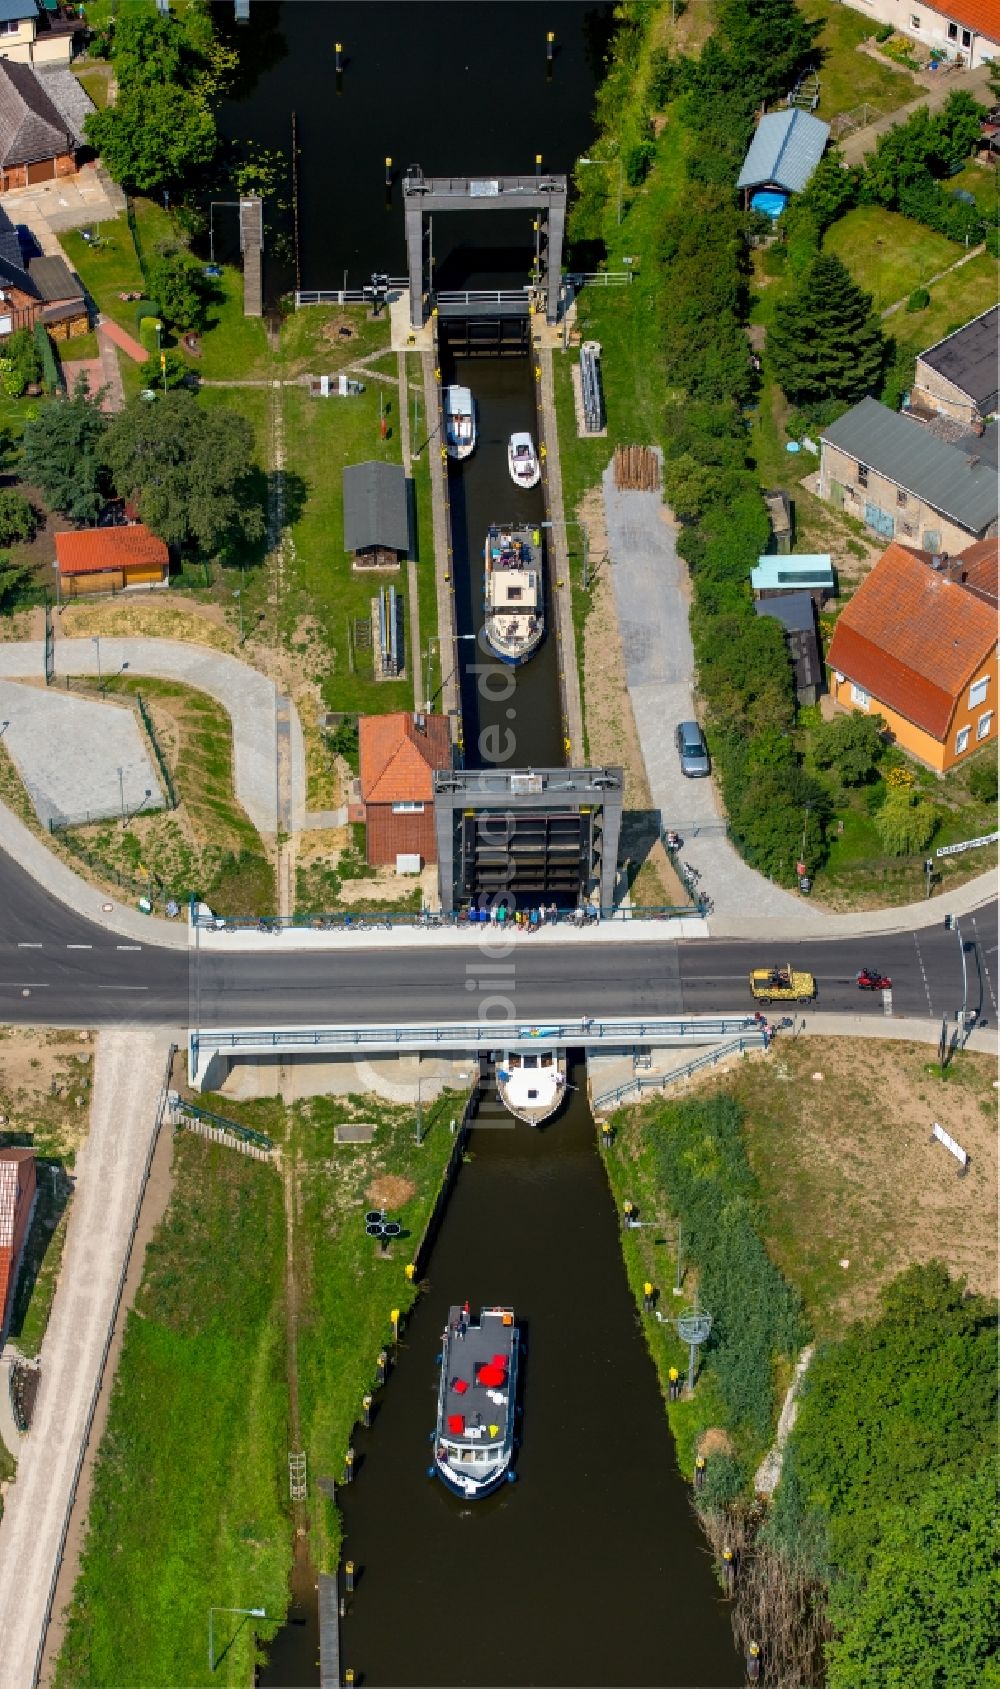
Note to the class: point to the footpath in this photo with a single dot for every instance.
(109, 1178)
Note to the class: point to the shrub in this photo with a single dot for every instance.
(17, 518)
(174, 369)
(983, 780)
(723, 1482)
(884, 32)
(852, 745)
(919, 299)
(905, 823)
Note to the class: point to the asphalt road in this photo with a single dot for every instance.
(58, 969)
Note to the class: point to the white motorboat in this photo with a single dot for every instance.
(474, 1436)
(522, 461)
(531, 1083)
(514, 593)
(459, 422)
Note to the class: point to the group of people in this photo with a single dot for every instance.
(501, 916)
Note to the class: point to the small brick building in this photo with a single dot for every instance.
(959, 376)
(41, 124)
(17, 1195)
(399, 755)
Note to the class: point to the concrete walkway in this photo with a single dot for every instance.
(649, 587)
(250, 699)
(109, 1176)
(80, 759)
(559, 573)
(975, 82)
(111, 375)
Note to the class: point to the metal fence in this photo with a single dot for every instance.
(736, 1046)
(161, 761)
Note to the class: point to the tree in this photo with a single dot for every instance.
(177, 283)
(833, 188)
(153, 135)
(924, 1614)
(188, 470)
(905, 823)
(22, 362)
(146, 49)
(851, 744)
(174, 368)
(62, 454)
(825, 341)
(13, 576)
(17, 518)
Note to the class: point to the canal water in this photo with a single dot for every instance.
(591, 1568)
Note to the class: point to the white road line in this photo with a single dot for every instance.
(128, 946)
(119, 988)
(923, 975)
(986, 968)
(29, 947)
(79, 947)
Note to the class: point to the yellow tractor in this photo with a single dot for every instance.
(781, 985)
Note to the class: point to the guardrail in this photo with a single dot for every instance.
(611, 1099)
(471, 1035)
(384, 920)
(348, 295)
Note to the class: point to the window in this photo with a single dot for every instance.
(977, 692)
(407, 809)
(6, 325)
(914, 21)
(9, 26)
(985, 723)
(961, 740)
(862, 474)
(907, 529)
(838, 677)
(953, 32)
(859, 696)
(901, 498)
(966, 38)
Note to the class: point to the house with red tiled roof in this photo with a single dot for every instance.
(17, 1196)
(399, 756)
(917, 645)
(110, 559)
(965, 29)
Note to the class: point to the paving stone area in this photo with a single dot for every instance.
(652, 606)
(80, 760)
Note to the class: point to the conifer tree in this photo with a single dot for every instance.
(826, 342)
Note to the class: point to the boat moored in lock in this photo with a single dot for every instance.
(459, 422)
(522, 461)
(531, 1084)
(474, 1436)
(514, 592)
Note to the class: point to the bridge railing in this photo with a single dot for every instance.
(476, 1034)
(610, 1099)
(384, 920)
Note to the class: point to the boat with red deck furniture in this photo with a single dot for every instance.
(474, 1436)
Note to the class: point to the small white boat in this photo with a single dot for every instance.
(513, 593)
(531, 1083)
(522, 461)
(459, 422)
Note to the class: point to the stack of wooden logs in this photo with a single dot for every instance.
(637, 469)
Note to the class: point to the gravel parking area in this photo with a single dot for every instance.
(79, 759)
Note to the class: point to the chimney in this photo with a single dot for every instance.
(420, 723)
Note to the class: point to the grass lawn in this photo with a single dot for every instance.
(207, 845)
(848, 78)
(188, 1506)
(346, 1288)
(233, 347)
(111, 269)
(888, 255)
(95, 79)
(311, 341)
(321, 591)
(955, 300)
(839, 1159)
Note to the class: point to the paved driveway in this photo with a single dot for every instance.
(80, 760)
(69, 202)
(649, 580)
(128, 1072)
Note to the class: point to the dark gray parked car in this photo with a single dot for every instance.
(692, 750)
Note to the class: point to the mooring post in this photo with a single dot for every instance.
(349, 1576)
(550, 45)
(349, 1467)
(366, 1410)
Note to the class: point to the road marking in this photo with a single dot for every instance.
(119, 988)
(79, 947)
(887, 1000)
(29, 947)
(923, 975)
(985, 969)
(128, 946)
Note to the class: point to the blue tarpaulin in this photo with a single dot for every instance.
(771, 204)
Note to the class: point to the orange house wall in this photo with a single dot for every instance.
(937, 755)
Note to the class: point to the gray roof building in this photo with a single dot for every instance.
(10, 244)
(69, 97)
(796, 614)
(375, 513)
(16, 11)
(31, 125)
(53, 279)
(970, 360)
(959, 480)
(784, 152)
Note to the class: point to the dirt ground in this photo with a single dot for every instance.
(45, 1080)
(611, 730)
(839, 1135)
(153, 617)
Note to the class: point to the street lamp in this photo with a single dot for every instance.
(951, 925)
(127, 818)
(238, 595)
(121, 792)
(584, 545)
(608, 164)
(3, 728)
(244, 1612)
(95, 640)
(436, 639)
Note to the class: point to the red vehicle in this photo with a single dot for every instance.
(871, 979)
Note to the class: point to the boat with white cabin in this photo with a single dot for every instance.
(531, 1083)
(459, 422)
(514, 593)
(522, 461)
(474, 1435)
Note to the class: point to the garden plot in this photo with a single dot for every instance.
(79, 758)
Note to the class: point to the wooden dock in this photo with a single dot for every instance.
(329, 1632)
(252, 248)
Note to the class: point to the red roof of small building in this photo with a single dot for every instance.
(977, 569)
(95, 549)
(912, 638)
(398, 758)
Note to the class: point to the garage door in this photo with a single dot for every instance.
(42, 170)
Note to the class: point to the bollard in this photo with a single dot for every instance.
(410, 1272)
(753, 1662)
(538, 164)
(349, 1678)
(349, 1466)
(366, 1410)
(673, 1391)
(550, 44)
(699, 1472)
(394, 1317)
(349, 1576)
(647, 1298)
(381, 1367)
(607, 1136)
(630, 1213)
(729, 1569)
(343, 1607)
(388, 172)
(339, 59)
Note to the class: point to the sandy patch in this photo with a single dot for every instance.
(714, 1441)
(157, 616)
(390, 1191)
(45, 1081)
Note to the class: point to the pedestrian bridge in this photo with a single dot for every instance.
(212, 1049)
